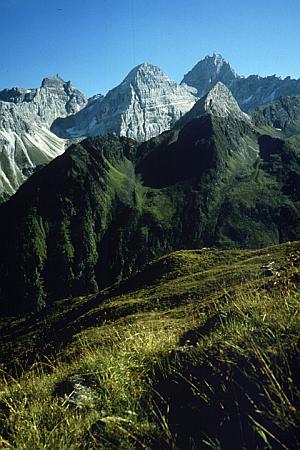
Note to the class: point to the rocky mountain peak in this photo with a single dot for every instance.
(146, 74)
(25, 118)
(209, 71)
(53, 82)
(144, 68)
(215, 59)
(250, 92)
(145, 104)
(219, 102)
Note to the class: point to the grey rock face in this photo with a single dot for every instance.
(209, 72)
(219, 102)
(25, 118)
(55, 98)
(76, 392)
(250, 92)
(17, 95)
(24, 146)
(144, 105)
(70, 99)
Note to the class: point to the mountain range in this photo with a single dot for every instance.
(36, 125)
(149, 260)
(108, 204)
(250, 92)
(145, 104)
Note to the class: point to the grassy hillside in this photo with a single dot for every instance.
(283, 115)
(94, 215)
(200, 349)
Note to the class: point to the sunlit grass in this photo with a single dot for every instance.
(141, 366)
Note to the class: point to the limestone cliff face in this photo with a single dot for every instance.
(250, 92)
(25, 118)
(55, 98)
(144, 105)
(24, 146)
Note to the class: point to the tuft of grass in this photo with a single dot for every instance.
(118, 361)
(237, 375)
(200, 349)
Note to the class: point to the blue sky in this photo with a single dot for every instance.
(95, 43)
